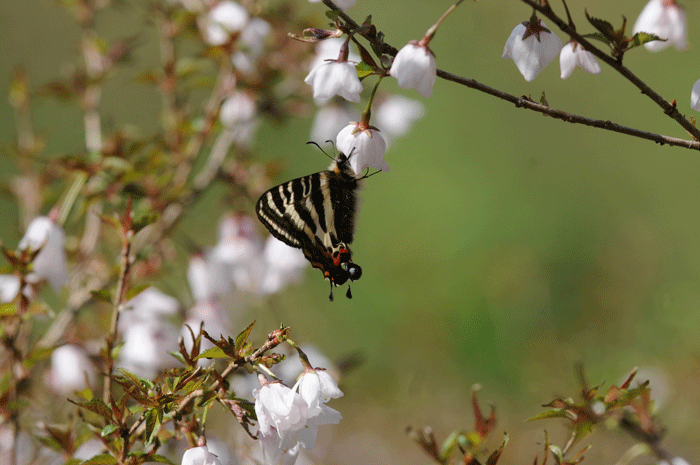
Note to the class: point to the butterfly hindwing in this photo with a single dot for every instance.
(316, 213)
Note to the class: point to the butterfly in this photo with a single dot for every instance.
(316, 213)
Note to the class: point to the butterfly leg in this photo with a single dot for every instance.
(348, 294)
(330, 297)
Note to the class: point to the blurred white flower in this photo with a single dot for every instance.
(207, 277)
(89, 449)
(199, 456)
(396, 115)
(71, 370)
(224, 19)
(414, 68)
(252, 44)
(364, 147)
(274, 454)
(666, 19)
(238, 241)
(573, 55)
(329, 120)
(532, 47)
(146, 347)
(50, 263)
(284, 264)
(342, 4)
(150, 305)
(237, 109)
(695, 96)
(9, 287)
(329, 49)
(335, 78)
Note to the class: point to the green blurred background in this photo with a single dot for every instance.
(502, 247)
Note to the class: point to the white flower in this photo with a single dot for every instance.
(150, 305)
(274, 454)
(396, 115)
(317, 387)
(280, 411)
(342, 4)
(335, 78)
(573, 55)
(665, 19)
(207, 277)
(364, 147)
(284, 264)
(329, 120)
(50, 263)
(329, 49)
(224, 19)
(146, 347)
(71, 370)
(237, 109)
(199, 456)
(695, 96)
(414, 68)
(9, 287)
(532, 47)
(252, 43)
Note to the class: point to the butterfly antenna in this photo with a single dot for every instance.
(330, 297)
(319, 147)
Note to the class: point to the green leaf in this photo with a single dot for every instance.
(603, 26)
(332, 14)
(557, 453)
(102, 294)
(214, 352)
(554, 413)
(95, 406)
(159, 459)
(364, 70)
(36, 355)
(598, 36)
(8, 309)
(243, 336)
(154, 419)
(178, 356)
(642, 38)
(136, 290)
(102, 459)
(107, 430)
(449, 445)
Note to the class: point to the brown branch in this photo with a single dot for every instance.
(524, 102)
(668, 108)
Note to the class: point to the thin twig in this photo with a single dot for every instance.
(668, 108)
(524, 102)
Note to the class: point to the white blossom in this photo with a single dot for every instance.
(573, 55)
(199, 456)
(50, 262)
(335, 78)
(329, 120)
(239, 108)
(396, 115)
(280, 411)
(414, 68)
(9, 287)
(364, 147)
(329, 49)
(150, 305)
(274, 454)
(284, 264)
(532, 48)
(71, 370)
(224, 19)
(695, 96)
(666, 19)
(146, 347)
(207, 277)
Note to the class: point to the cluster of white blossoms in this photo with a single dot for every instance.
(288, 419)
(532, 46)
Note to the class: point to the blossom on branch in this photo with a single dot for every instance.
(573, 55)
(666, 19)
(50, 263)
(414, 68)
(199, 456)
(225, 19)
(695, 96)
(532, 47)
(335, 78)
(364, 145)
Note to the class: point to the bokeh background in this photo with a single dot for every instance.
(502, 247)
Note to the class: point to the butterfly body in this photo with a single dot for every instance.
(316, 213)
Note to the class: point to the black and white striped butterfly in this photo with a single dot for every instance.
(316, 213)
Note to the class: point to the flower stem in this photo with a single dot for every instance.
(368, 111)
